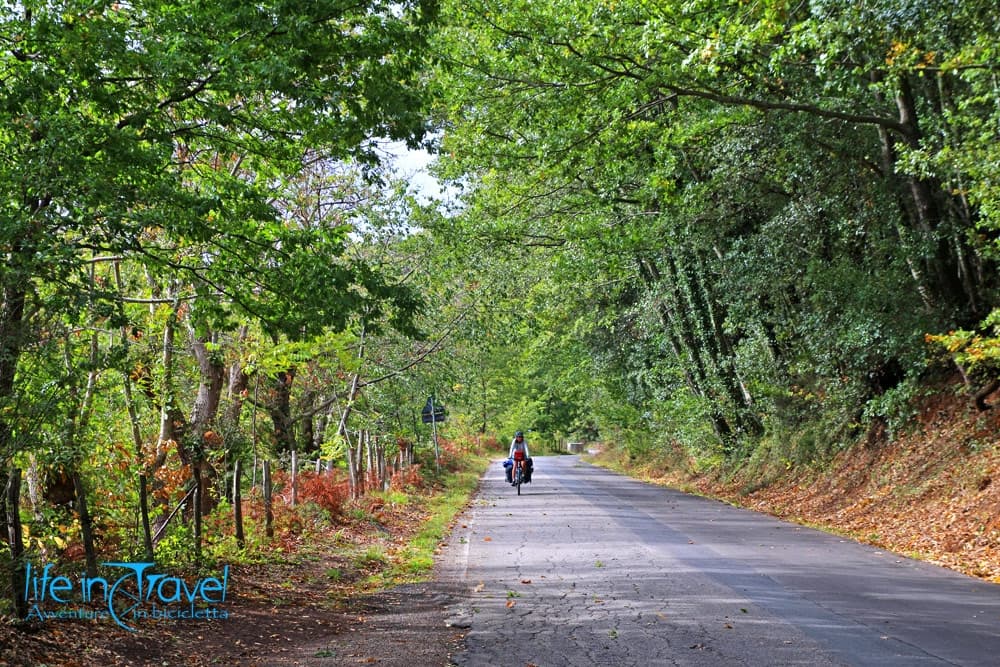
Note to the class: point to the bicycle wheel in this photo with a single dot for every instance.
(125, 602)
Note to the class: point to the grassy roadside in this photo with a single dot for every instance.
(414, 561)
(386, 539)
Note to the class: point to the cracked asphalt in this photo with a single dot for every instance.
(588, 567)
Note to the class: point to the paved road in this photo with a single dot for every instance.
(591, 568)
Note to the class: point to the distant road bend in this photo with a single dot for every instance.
(591, 568)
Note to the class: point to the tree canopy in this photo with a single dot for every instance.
(749, 215)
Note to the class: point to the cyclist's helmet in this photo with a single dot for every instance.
(519, 434)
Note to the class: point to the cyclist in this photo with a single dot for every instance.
(519, 454)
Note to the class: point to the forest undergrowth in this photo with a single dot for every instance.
(316, 590)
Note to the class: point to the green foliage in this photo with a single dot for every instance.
(686, 419)
(895, 407)
(182, 189)
(176, 549)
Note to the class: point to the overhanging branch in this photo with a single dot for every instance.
(767, 105)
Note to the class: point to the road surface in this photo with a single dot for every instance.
(588, 567)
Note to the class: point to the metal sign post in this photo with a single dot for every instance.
(434, 433)
(432, 414)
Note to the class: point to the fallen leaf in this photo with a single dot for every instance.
(511, 603)
(526, 581)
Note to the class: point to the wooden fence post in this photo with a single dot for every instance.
(359, 473)
(295, 477)
(352, 481)
(382, 464)
(197, 511)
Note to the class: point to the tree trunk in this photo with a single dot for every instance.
(308, 435)
(355, 467)
(11, 339)
(168, 517)
(280, 408)
(352, 473)
(210, 383)
(15, 540)
(238, 504)
(13, 295)
(268, 509)
(33, 479)
(719, 348)
(366, 438)
(147, 533)
(76, 426)
(86, 524)
(307, 415)
(239, 381)
(171, 419)
(319, 432)
(905, 242)
(319, 429)
(205, 409)
(979, 397)
(681, 330)
(650, 275)
(383, 470)
(353, 392)
(133, 418)
(942, 265)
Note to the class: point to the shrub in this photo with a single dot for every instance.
(407, 479)
(328, 491)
